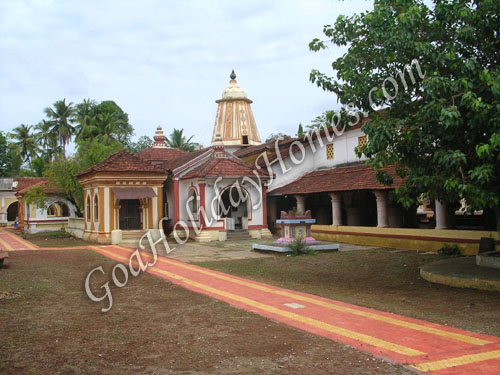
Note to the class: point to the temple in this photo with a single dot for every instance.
(241, 184)
(238, 186)
(206, 194)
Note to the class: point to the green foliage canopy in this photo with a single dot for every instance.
(440, 119)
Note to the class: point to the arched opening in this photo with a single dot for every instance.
(130, 214)
(65, 210)
(88, 208)
(193, 204)
(96, 207)
(234, 205)
(52, 210)
(13, 211)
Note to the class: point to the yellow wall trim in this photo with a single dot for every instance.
(403, 238)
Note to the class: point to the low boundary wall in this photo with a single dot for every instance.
(402, 238)
(76, 226)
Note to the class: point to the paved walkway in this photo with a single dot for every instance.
(419, 345)
(10, 241)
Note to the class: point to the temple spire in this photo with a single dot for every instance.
(234, 122)
(159, 138)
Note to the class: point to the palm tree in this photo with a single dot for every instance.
(108, 128)
(85, 114)
(26, 144)
(47, 139)
(178, 140)
(61, 117)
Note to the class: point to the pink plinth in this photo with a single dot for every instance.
(288, 240)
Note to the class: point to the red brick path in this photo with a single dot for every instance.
(420, 345)
(417, 344)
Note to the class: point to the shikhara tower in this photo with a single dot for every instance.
(234, 122)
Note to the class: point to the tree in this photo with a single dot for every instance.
(274, 136)
(25, 142)
(429, 80)
(105, 121)
(300, 131)
(85, 114)
(62, 172)
(178, 140)
(47, 139)
(61, 117)
(123, 129)
(142, 143)
(10, 159)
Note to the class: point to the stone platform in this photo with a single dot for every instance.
(462, 272)
(285, 249)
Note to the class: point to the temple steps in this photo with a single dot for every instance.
(238, 235)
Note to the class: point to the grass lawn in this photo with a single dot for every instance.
(55, 239)
(50, 326)
(381, 279)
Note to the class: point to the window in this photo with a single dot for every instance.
(362, 141)
(88, 207)
(65, 209)
(193, 203)
(52, 211)
(329, 152)
(96, 208)
(245, 139)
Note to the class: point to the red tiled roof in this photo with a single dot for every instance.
(357, 177)
(44, 183)
(25, 182)
(123, 162)
(160, 154)
(223, 165)
(183, 159)
(255, 149)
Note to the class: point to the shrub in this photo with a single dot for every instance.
(448, 249)
(298, 247)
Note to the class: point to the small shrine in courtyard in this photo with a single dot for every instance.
(296, 226)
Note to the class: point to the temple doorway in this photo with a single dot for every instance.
(233, 206)
(13, 211)
(130, 214)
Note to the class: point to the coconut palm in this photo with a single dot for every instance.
(61, 117)
(47, 139)
(85, 114)
(178, 140)
(108, 128)
(25, 142)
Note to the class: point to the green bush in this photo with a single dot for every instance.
(448, 249)
(298, 247)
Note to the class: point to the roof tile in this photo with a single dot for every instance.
(358, 177)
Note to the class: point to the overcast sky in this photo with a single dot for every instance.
(166, 62)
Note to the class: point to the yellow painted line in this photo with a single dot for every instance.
(457, 361)
(6, 245)
(28, 244)
(299, 318)
(366, 314)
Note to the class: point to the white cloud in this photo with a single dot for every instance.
(166, 62)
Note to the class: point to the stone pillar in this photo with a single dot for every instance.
(201, 208)
(301, 203)
(382, 218)
(264, 205)
(441, 215)
(336, 208)
(176, 202)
